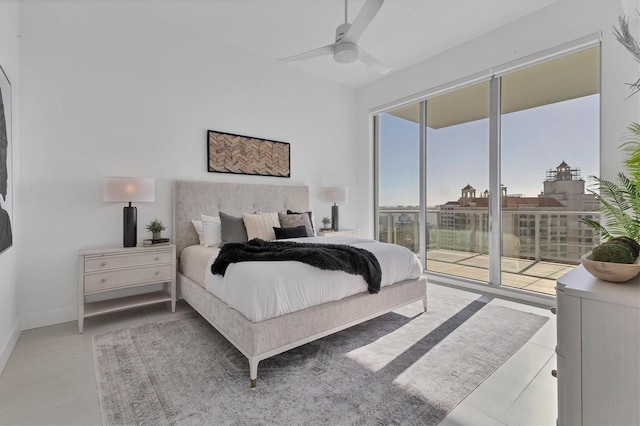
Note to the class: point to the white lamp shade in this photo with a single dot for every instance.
(128, 189)
(335, 194)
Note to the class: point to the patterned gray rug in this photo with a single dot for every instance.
(402, 368)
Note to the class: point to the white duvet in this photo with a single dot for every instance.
(263, 290)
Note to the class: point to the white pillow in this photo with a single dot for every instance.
(212, 232)
(197, 225)
(261, 225)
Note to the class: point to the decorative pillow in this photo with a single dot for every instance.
(232, 229)
(294, 232)
(212, 230)
(197, 225)
(296, 219)
(260, 225)
(313, 224)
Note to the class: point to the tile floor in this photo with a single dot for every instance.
(50, 378)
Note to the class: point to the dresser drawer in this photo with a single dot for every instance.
(121, 278)
(104, 263)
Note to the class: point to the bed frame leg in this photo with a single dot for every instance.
(424, 303)
(253, 371)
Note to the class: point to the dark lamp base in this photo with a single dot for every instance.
(129, 232)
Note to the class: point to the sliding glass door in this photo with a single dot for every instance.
(457, 177)
(398, 156)
(549, 146)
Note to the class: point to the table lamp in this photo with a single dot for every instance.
(128, 190)
(335, 195)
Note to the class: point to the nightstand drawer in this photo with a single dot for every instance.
(113, 279)
(103, 263)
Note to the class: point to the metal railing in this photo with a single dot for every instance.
(548, 235)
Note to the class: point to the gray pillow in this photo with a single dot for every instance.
(294, 220)
(232, 229)
(313, 223)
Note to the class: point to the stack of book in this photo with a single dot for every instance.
(155, 242)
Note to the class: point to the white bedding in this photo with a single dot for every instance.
(263, 290)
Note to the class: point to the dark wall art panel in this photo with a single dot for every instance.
(6, 172)
(229, 153)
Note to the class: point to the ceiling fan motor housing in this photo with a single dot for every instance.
(345, 53)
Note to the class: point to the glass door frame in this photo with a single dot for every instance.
(495, 195)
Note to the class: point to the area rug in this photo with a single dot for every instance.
(405, 367)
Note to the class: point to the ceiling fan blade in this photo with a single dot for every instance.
(373, 62)
(320, 51)
(362, 21)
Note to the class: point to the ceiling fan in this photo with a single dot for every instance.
(345, 49)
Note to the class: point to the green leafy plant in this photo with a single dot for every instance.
(326, 221)
(623, 35)
(620, 199)
(155, 226)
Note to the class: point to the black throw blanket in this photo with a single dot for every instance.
(332, 257)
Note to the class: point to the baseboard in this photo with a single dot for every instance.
(8, 346)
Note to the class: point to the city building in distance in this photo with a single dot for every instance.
(546, 227)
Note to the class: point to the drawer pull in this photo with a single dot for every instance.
(554, 373)
(103, 264)
(104, 280)
(157, 258)
(157, 272)
(554, 311)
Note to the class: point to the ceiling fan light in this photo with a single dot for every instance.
(345, 53)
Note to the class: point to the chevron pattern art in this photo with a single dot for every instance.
(229, 153)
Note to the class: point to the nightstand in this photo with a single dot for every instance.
(340, 233)
(110, 269)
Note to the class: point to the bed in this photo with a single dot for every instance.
(266, 338)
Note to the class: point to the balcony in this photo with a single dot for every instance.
(538, 246)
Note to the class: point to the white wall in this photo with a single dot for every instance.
(9, 60)
(109, 90)
(559, 23)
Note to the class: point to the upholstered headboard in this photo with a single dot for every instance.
(194, 198)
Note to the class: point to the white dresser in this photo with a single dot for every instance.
(598, 350)
(103, 271)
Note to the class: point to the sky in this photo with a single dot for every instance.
(533, 141)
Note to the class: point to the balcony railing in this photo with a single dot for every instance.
(537, 240)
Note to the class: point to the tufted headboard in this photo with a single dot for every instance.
(194, 198)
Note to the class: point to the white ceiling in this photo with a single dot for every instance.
(403, 32)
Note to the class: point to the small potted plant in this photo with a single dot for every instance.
(326, 223)
(155, 227)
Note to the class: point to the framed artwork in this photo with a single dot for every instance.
(6, 169)
(229, 153)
